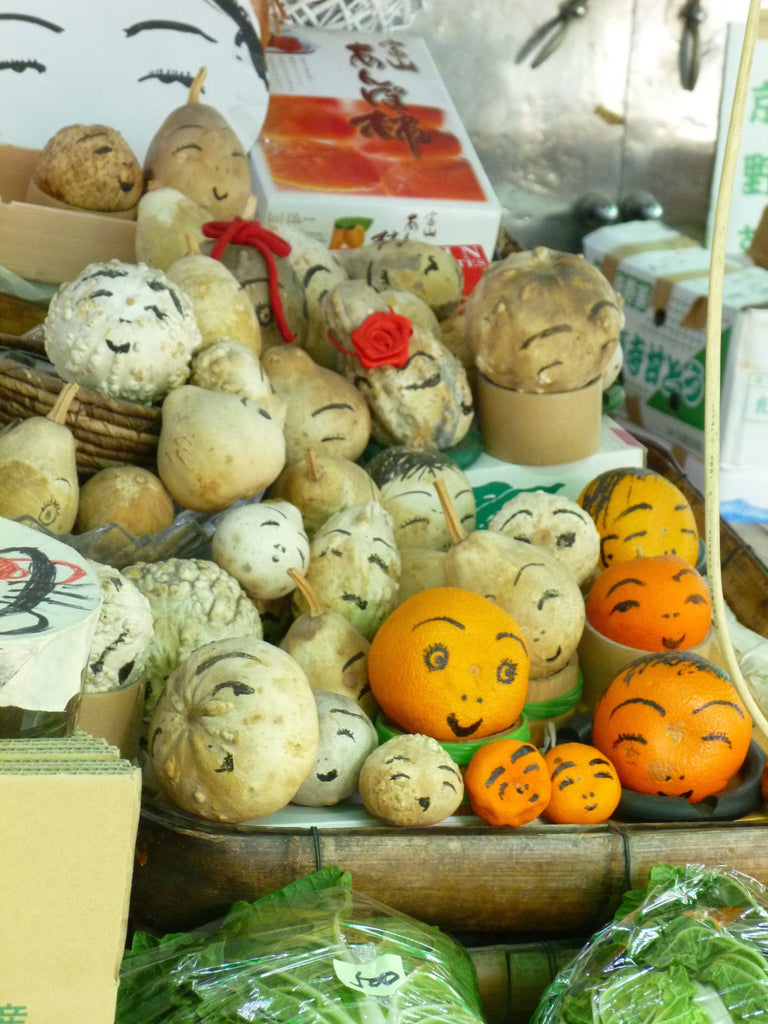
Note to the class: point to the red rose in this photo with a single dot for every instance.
(381, 340)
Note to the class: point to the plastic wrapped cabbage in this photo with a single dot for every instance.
(314, 952)
(691, 949)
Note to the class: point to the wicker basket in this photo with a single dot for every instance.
(107, 431)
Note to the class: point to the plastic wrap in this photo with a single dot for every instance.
(692, 948)
(315, 952)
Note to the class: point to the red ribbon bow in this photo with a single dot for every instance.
(250, 232)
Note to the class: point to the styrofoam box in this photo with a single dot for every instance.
(495, 482)
(664, 280)
(362, 143)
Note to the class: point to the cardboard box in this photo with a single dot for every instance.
(69, 832)
(48, 244)
(362, 142)
(664, 280)
(495, 481)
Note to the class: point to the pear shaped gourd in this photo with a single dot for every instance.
(38, 468)
(196, 151)
(524, 579)
(322, 484)
(219, 303)
(165, 219)
(332, 652)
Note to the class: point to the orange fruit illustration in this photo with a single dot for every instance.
(507, 783)
(673, 724)
(660, 603)
(452, 178)
(639, 513)
(585, 785)
(451, 664)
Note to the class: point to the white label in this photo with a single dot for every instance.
(378, 977)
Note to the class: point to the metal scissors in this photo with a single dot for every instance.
(689, 58)
(555, 28)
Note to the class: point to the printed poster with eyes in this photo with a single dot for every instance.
(126, 66)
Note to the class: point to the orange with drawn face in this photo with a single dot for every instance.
(585, 787)
(653, 604)
(508, 783)
(640, 513)
(674, 725)
(450, 664)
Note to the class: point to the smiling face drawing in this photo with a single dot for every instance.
(450, 664)
(139, 67)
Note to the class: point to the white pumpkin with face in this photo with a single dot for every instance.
(347, 737)
(410, 780)
(258, 543)
(124, 330)
(406, 480)
(553, 522)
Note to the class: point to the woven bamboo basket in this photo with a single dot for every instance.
(107, 431)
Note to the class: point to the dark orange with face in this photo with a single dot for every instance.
(660, 603)
(674, 725)
(450, 664)
(585, 785)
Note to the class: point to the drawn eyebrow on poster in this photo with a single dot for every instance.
(33, 20)
(177, 26)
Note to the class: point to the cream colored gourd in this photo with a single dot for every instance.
(320, 484)
(215, 447)
(527, 581)
(234, 732)
(226, 364)
(420, 569)
(196, 151)
(354, 566)
(133, 497)
(38, 468)
(332, 652)
(325, 411)
(165, 221)
(259, 543)
(219, 303)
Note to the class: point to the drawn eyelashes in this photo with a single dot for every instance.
(185, 78)
(23, 65)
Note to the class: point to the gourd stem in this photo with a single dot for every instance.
(456, 531)
(307, 592)
(313, 468)
(193, 248)
(60, 408)
(197, 86)
(249, 210)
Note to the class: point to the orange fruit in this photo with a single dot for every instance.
(639, 513)
(507, 782)
(660, 603)
(585, 786)
(451, 664)
(673, 724)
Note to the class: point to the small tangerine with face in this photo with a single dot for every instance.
(639, 513)
(451, 664)
(674, 725)
(508, 782)
(660, 603)
(585, 785)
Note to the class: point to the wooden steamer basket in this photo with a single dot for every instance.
(107, 431)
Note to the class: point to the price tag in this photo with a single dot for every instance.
(378, 977)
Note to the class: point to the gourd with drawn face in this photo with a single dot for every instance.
(406, 264)
(125, 330)
(450, 664)
(660, 603)
(417, 390)
(196, 151)
(324, 410)
(405, 477)
(347, 737)
(555, 523)
(674, 725)
(410, 780)
(639, 513)
(258, 543)
(91, 167)
(354, 566)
